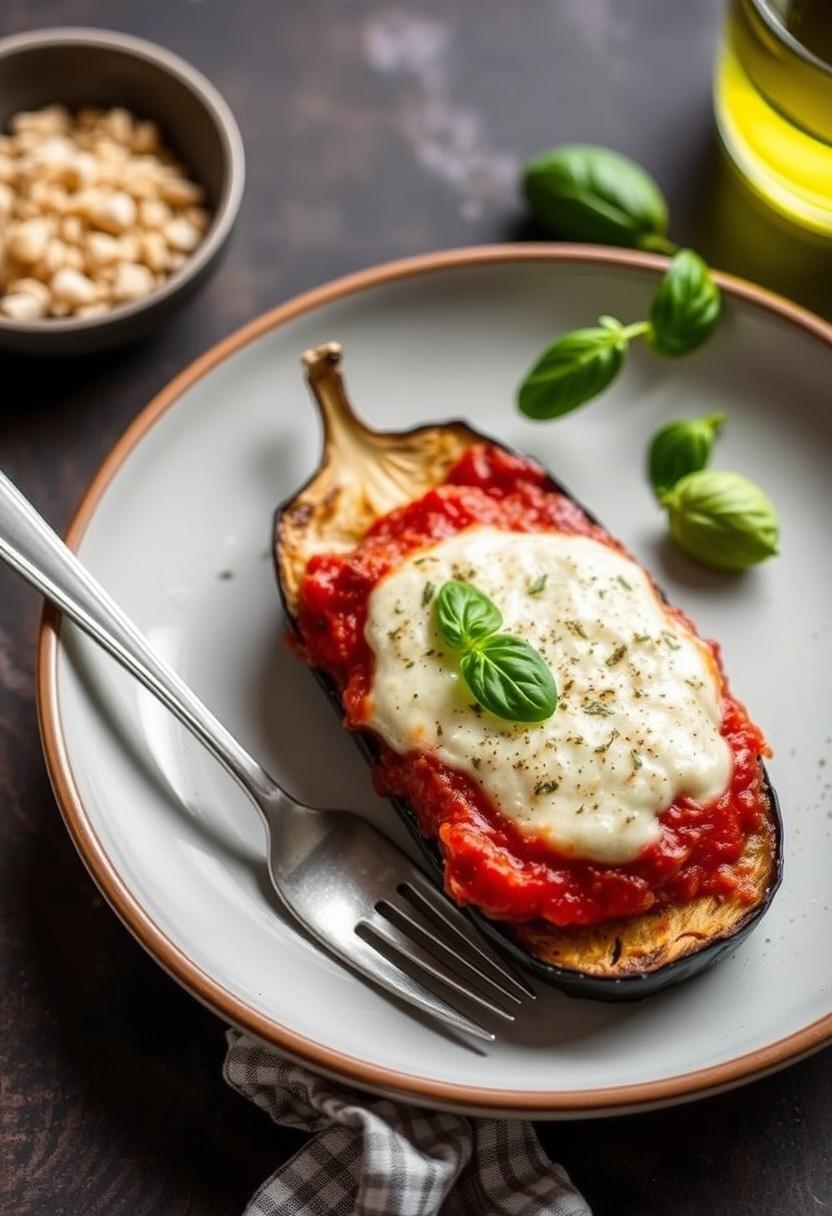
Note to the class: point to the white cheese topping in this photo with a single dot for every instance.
(638, 723)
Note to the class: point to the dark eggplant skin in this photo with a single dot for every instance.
(633, 986)
(573, 983)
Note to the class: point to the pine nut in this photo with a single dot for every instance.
(22, 306)
(182, 235)
(28, 241)
(72, 287)
(94, 211)
(132, 281)
(114, 213)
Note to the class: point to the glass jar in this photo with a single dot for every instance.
(773, 104)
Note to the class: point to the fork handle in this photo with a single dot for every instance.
(37, 553)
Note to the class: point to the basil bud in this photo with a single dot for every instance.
(586, 193)
(722, 519)
(573, 370)
(680, 448)
(685, 308)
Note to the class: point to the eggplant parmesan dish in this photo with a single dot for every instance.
(623, 842)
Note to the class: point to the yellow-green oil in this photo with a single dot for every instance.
(773, 103)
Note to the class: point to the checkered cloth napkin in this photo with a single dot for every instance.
(371, 1157)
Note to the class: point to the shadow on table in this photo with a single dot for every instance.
(685, 1160)
(144, 1056)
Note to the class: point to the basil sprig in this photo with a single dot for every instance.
(586, 193)
(592, 194)
(720, 518)
(506, 675)
(581, 364)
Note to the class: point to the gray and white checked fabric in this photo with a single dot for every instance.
(372, 1157)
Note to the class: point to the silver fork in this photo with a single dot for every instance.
(358, 894)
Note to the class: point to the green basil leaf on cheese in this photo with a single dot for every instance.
(465, 615)
(510, 678)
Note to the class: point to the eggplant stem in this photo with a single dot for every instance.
(322, 366)
(364, 473)
(380, 466)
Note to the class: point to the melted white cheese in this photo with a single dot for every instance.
(638, 723)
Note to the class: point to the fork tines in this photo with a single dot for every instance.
(427, 939)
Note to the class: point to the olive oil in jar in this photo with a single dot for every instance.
(773, 103)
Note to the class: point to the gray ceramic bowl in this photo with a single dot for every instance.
(77, 67)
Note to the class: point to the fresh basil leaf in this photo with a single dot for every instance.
(586, 193)
(685, 308)
(722, 519)
(572, 371)
(464, 614)
(510, 678)
(680, 448)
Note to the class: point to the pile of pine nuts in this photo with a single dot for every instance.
(94, 212)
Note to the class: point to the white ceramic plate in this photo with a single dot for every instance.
(178, 527)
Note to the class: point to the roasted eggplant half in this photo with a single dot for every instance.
(363, 475)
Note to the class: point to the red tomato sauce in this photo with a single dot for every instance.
(487, 861)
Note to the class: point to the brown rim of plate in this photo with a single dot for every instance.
(507, 1102)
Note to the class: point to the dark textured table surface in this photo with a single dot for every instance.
(373, 130)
